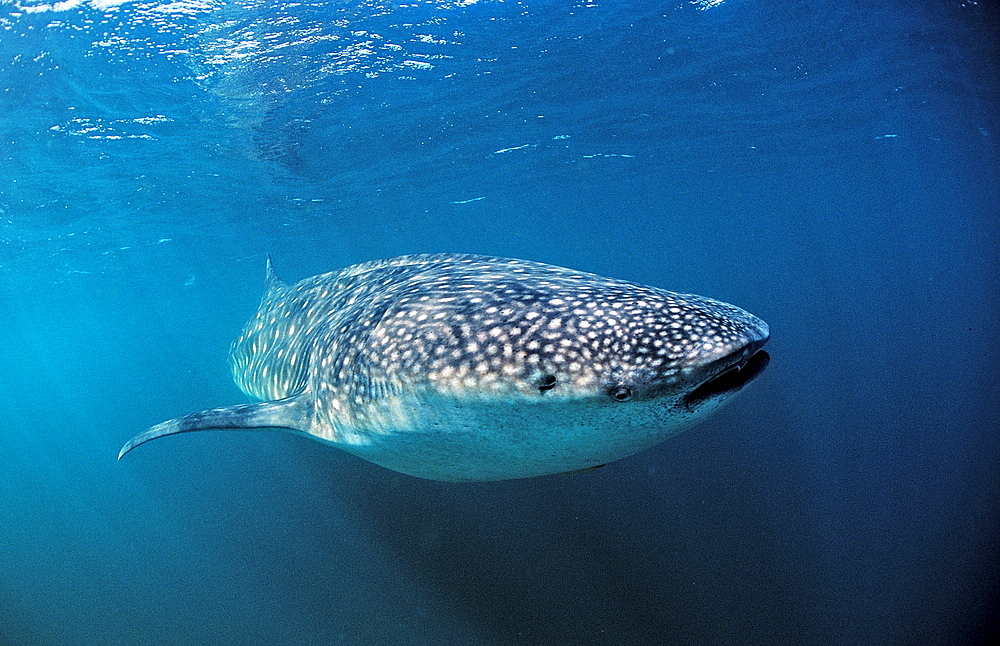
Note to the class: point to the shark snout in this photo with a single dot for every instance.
(757, 334)
(729, 373)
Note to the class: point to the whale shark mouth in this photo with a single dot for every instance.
(730, 380)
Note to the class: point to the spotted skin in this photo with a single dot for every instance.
(463, 367)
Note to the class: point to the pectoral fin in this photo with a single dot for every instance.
(293, 413)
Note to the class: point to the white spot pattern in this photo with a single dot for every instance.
(474, 326)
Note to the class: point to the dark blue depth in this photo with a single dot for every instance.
(831, 167)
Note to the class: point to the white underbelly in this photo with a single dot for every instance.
(462, 440)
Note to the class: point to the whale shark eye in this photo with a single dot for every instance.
(548, 382)
(621, 393)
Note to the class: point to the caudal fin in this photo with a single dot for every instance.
(293, 413)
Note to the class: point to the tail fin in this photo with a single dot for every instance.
(293, 413)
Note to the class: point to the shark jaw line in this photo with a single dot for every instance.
(730, 380)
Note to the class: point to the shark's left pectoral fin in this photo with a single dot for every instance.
(292, 413)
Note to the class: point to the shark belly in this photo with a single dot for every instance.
(467, 440)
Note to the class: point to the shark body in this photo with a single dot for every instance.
(471, 368)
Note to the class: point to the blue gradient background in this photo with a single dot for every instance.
(829, 166)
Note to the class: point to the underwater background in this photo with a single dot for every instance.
(829, 166)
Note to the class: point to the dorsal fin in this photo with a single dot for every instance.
(271, 281)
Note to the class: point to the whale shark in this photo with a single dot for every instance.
(461, 367)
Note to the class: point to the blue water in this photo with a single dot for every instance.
(830, 166)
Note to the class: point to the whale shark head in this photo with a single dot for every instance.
(459, 367)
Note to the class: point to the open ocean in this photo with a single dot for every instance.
(830, 166)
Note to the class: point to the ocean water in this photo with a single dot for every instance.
(829, 166)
